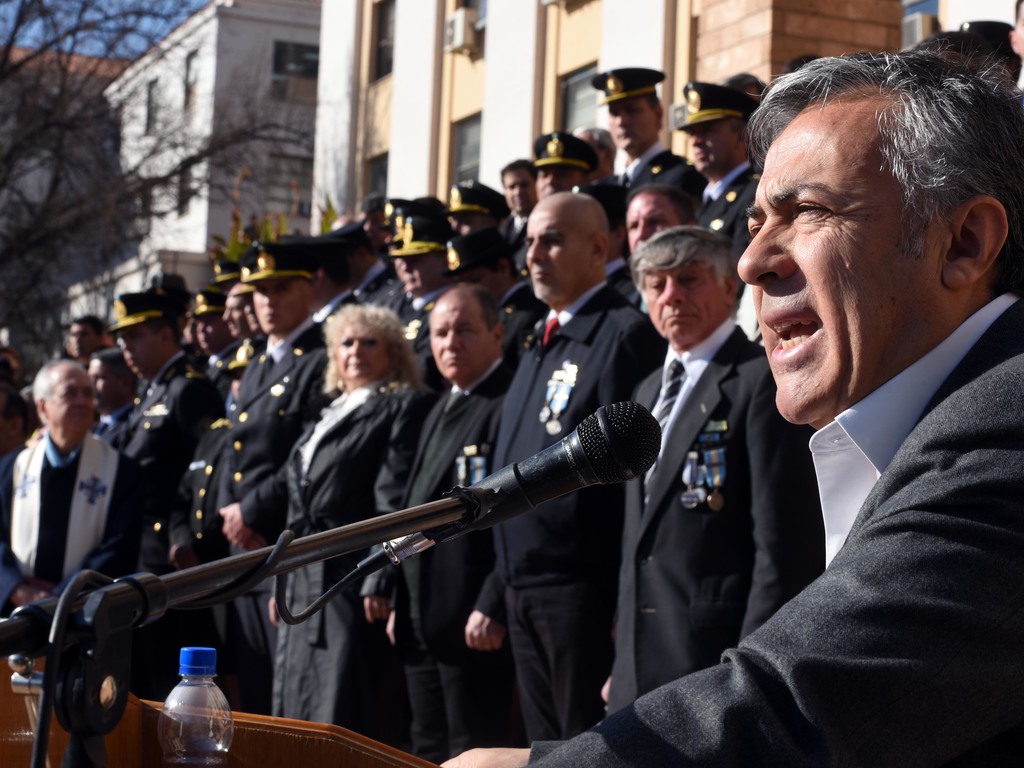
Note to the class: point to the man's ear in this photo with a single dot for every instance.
(977, 229)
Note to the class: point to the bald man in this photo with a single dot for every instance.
(559, 563)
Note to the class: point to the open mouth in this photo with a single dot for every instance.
(793, 334)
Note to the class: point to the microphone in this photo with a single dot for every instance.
(616, 443)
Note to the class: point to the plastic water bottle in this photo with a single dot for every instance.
(195, 727)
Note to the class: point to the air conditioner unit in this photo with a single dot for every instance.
(915, 27)
(460, 33)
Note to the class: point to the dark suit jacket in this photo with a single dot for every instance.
(274, 404)
(359, 470)
(906, 651)
(576, 537)
(518, 243)
(728, 214)
(456, 577)
(695, 581)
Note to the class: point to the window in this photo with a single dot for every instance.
(186, 188)
(191, 77)
(384, 36)
(579, 100)
(481, 11)
(467, 149)
(151, 106)
(288, 188)
(377, 175)
(295, 71)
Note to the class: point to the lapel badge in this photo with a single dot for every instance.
(277, 390)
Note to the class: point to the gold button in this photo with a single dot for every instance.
(145, 425)
(199, 535)
(157, 527)
(238, 477)
(202, 492)
(281, 412)
(199, 514)
(208, 470)
(238, 445)
(243, 417)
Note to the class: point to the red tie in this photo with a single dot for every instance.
(550, 329)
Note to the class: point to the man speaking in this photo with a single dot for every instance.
(886, 264)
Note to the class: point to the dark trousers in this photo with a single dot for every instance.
(456, 707)
(254, 641)
(562, 647)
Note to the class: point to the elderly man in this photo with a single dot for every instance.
(67, 503)
(449, 608)
(886, 263)
(651, 209)
(560, 562)
(726, 527)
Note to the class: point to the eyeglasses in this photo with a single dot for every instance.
(351, 342)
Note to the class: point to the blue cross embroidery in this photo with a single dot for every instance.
(23, 486)
(93, 488)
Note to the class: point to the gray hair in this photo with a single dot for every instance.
(43, 382)
(952, 129)
(677, 247)
(600, 136)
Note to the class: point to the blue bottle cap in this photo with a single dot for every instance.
(197, 661)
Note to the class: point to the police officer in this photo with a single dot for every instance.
(562, 162)
(473, 206)
(280, 388)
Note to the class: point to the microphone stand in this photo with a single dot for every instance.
(87, 637)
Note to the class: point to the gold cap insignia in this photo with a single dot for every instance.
(555, 147)
(453, 259)
(245, 273)
(265, 263)
(613, 85)
(456, 198)
(693, 101)
(731, 195)
(399, 222)
(120, 310)
(217, 269)
(201, 304)
(389, 210)
(406, 233)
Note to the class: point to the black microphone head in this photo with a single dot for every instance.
(621, 441)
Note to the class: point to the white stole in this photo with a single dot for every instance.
(90, 503)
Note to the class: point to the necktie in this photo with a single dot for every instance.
(550, 329)
(670, 392)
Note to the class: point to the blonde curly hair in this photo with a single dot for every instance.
(403, 372)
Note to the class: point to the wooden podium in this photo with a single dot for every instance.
(259, 742)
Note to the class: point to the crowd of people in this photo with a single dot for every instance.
(324, 380)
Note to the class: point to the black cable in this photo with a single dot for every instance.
(58, 629)
(371, 564)
(246, 581)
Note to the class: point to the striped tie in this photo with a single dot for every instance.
(670, 392)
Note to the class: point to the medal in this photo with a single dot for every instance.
(553, 427)
(714, 476)
(694, 496)
(556, 397)
(716, 501)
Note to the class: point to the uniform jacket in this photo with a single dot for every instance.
(607, 348)
(676, 171)
(195, 522)
(519, 314)
(695, 581)
(274, 403)
(906, 651)
(728, 214)
(163, 431)
(456, 577)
